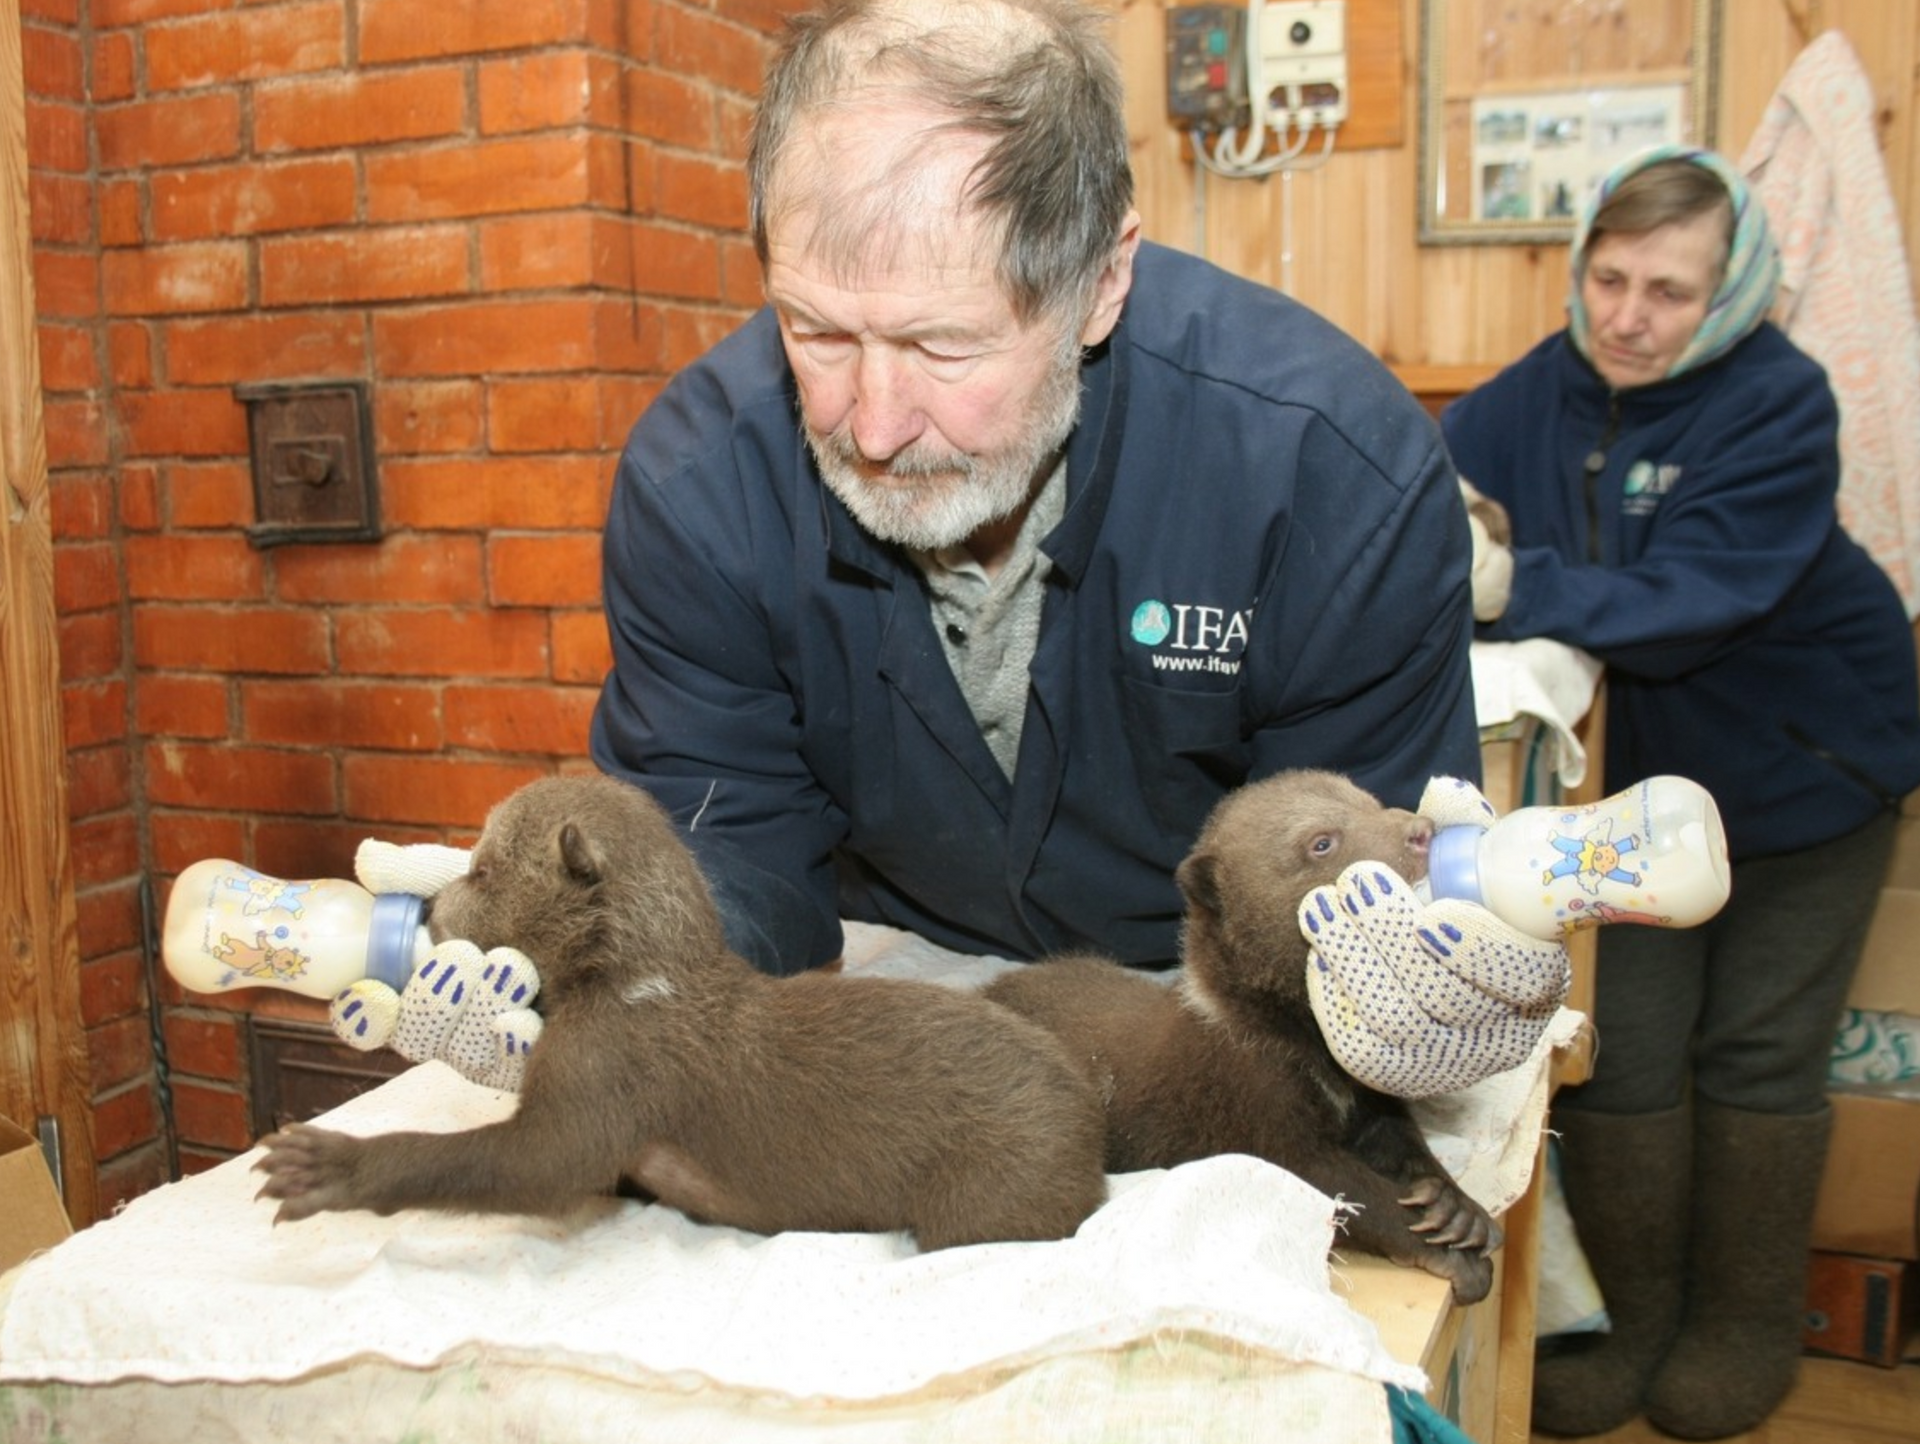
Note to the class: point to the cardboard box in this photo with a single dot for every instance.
(32, 1217)
(1888, 978)
(1869, 1200)
(1859, 1308)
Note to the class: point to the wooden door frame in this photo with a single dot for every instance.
(44, 1074)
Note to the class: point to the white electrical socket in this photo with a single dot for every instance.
(1303, 62)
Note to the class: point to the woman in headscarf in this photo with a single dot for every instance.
(1669, 465)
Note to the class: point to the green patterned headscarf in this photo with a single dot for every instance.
(1753, 261)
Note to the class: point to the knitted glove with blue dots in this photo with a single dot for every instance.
(1416, 999)
(471, 1010)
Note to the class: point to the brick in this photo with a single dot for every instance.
(524, 492)
(182, 423)
(109, 13)
(331, 712)
(209, 494)
(245, 779)
(130, 354)
(705, 192)
(233, 350)
(140, 497)
(766, 16)
(66, 358)
(622, 399)
(178, 130)
(99, 780)
(545, 414)
(245, 200)
(60, 209)
(183, 838)
(90, 646)
(672, 262)
(213, 1116)
(163, 280)
(168, 705)
(56, 137)
(60, 12)
(118, 1051)
(549, 172)
(549, 90)
(692, 42)
(672, 108)
(82, 506)
(85, 577)
(552, 250)
(124, 1120)
(418, 417)
(75, 431)
(400, 263)
(441, 642)
(691, 332)
(501, 337)
(742, 281)
(581, 651)
(105, 849)
(93, 712)
(393, 30)
(110, 988)
(113, 68)
(547, 720)
(204, 1047)
(556, 570)
(252, 44)
(429, 790)
(122, 212)
(422, 102)
(230, 639)
(736, 114)
(65, 284)
(400, 569)
(52, 63)
(629, 335)
(315, 847)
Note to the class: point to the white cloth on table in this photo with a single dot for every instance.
(193, 1282)
(1541, 679)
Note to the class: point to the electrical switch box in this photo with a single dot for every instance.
(1207, 67)
(1303, 63)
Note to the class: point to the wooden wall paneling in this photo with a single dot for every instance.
(43, 1058)
(1354, 256)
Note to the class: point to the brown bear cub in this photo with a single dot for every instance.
(817, 1102)
(1230, 1059)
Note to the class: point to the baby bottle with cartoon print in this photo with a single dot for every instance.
(230, 927)
(1655, 853)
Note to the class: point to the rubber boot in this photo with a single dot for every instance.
(1626, 1177)
(1756, 1177)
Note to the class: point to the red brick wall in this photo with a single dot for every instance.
(515, 221)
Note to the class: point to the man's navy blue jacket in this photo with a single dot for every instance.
(1262, 565)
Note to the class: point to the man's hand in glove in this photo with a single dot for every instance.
(1417, 999)
(472, 1010)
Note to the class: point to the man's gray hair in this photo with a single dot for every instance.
(1035, 79)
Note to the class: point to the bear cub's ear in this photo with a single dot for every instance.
(1197, 881)
(584, 862)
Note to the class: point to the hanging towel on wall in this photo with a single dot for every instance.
(1846, 298)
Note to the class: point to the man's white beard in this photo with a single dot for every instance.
(931, 500)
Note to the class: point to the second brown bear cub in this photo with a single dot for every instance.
(813, 1102)
(1231, 1060)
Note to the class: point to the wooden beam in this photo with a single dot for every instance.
(43, 1058)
